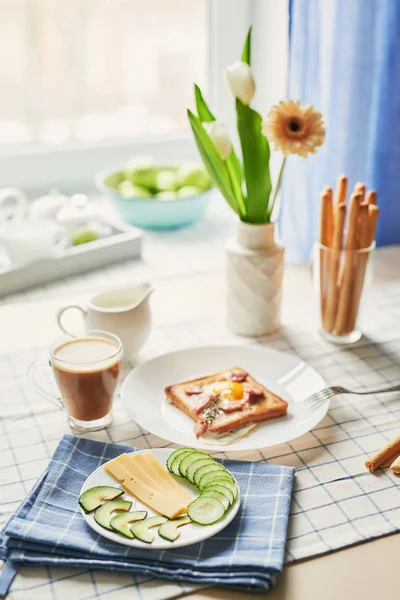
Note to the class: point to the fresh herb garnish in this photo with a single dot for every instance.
(211, 411)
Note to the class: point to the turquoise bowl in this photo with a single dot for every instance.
(151, 213)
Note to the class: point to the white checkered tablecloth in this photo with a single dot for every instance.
(336, 501)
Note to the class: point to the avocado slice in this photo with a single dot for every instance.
(121, 523)
(93, 498)
(141, 530)
(169, 530)
(102, 516)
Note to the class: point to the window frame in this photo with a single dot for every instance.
(73, 166)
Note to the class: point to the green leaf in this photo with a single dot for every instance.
(232, 163)
(255, 152)
(213, 162)
(235, 173)
(246, 54)
(203, 111)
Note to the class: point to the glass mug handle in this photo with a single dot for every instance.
(39, 389)
(63, 310)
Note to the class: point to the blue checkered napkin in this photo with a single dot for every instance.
(48, 527)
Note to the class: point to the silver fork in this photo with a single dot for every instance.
(322, 396)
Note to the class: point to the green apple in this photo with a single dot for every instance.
(144, 178)
(166, 181)
(193, 174)
(188, 190)
(113, 180)
(83, 235)
(165, 196)
(127, 190)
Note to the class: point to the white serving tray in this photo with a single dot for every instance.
(125, 243)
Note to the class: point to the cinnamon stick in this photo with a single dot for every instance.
(341, 190)
(378, 459)
(347, 277)
(337, 245)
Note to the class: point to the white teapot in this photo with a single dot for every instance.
(14, 205)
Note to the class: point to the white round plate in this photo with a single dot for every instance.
(287, 376)
(189, 534)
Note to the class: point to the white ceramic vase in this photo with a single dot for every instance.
(254, 280)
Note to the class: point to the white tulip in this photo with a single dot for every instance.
(241, 81)
(218, 133)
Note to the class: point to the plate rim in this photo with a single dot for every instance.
(323, 409)
(162, 544)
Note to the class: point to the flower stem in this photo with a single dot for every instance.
(277, 188)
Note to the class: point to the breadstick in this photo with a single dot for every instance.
(383, 455)
(371, 197)
(395, 466)
(360, 263)
(373, 214)
(341, 190)
(347, 277)
(337, 245)
(325, 237)
(360, 188)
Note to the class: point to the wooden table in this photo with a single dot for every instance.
(370, 568)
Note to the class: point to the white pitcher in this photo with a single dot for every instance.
(124, 312)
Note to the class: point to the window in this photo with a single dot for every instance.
(90, 70)
(84, 84)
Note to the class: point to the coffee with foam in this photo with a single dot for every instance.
(87, 370)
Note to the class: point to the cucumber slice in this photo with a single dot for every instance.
(174, 454)
(208, 469)
(199, 462)
(218, 475)
(122, 523)
(169, 530)
(206, 510)
(188, 459)
(141, 530)
(225, 482)
(218, 495)
(178, 459)
(93, 498)
(102, 516)
(220, 487)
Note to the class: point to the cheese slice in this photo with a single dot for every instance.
(169, 505)
(139, 473)
(150, 464)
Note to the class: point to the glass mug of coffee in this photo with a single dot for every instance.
(86, 370)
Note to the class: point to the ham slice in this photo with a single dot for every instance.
(200, 403)
(238, 376)
(232, 406)
(193, 390)
(254, 394)
(200, 428)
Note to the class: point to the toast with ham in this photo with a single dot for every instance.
(224, 402)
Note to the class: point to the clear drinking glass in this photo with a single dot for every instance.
(340, 278)
(86, 369)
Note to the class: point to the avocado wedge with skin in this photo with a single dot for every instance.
(169, 530)
(94, 497)
(102, 516)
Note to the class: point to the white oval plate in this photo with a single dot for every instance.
(189, 534)
(287, 376)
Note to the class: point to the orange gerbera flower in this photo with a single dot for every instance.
(294, 129)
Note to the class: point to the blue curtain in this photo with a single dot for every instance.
(345, 60)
